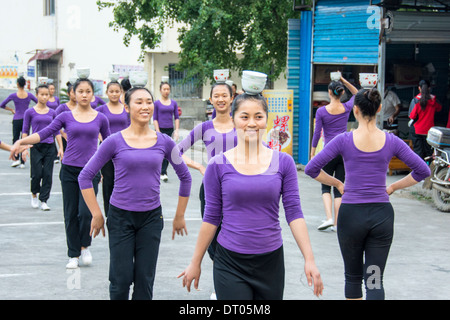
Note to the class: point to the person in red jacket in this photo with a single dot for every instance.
(423, 116)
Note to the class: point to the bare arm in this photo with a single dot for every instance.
(193, 271)
(300, 232)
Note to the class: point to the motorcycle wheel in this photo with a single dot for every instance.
(441, 199)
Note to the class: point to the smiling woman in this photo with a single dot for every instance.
(135, 216)
(243, 187)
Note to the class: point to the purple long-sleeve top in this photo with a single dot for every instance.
(117, 122)
(136, 171)
(365, 172)
(332, 124)
(214, 141)
(82, 137)
(248, 205)
(62, 108)
(38, 121)
(53, 104)
(165, 114)
(20, 105)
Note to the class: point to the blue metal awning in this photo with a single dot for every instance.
(346, 32)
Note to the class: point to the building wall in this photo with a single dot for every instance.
(77, 27)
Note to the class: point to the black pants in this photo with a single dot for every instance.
(421, 146)
(134, 239)
(42, 156)
(334, 168)
(77, 217)
(248, 276)
(17, 131)
(107, 184)
(165, 163)
(213, 244)
(365, 233)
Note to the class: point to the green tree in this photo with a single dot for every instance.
(214, 32)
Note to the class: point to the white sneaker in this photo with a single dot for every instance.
(72, 264)
(328, 223)
(34, 202)
(213, 296)
(44, 206)
(86, 256)
(164, 177)
(15, 163)
(21, 166)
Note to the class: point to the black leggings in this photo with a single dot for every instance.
(365, 233)
(334, 168)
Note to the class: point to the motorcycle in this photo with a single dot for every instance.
(439, 181)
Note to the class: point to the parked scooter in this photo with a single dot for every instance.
(439, 181)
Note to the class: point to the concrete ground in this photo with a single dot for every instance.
(33, 246)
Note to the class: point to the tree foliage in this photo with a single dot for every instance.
(216, 34)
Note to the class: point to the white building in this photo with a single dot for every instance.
(66, 34)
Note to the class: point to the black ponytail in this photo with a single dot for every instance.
(424, 93)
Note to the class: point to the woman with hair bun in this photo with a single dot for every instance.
(366, 217)
(423, 116)
(333, 119)
(21, 100)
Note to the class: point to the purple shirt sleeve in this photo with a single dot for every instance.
(26, 122)
(349, 104)
(104, 153)
(328, 153)
(173, 155)
(195, 135)
(56, 125)
(175, 110)
(419, 168)
(289, 190)
(104, 128)
(7, 100)
(32, 97)
(211, 182)
(317, 129)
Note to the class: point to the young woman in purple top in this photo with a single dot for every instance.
(166, 112)
(82, 126)
(21, 100)
(118, 120)
(366, 217)
(218, 136)
(135, 219)
(53, 101)
(333, 119)
(42, 155)
(243, 187)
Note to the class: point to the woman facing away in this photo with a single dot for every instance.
(83, 125)
(243, 187)
(333, 119)
(423, 116)
(135, 218)
(21, 100)
(166, 119)
(366, 217)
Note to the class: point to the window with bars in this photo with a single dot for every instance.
(49, 7)
(181, 88)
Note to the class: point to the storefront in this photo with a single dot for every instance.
(363, 36)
